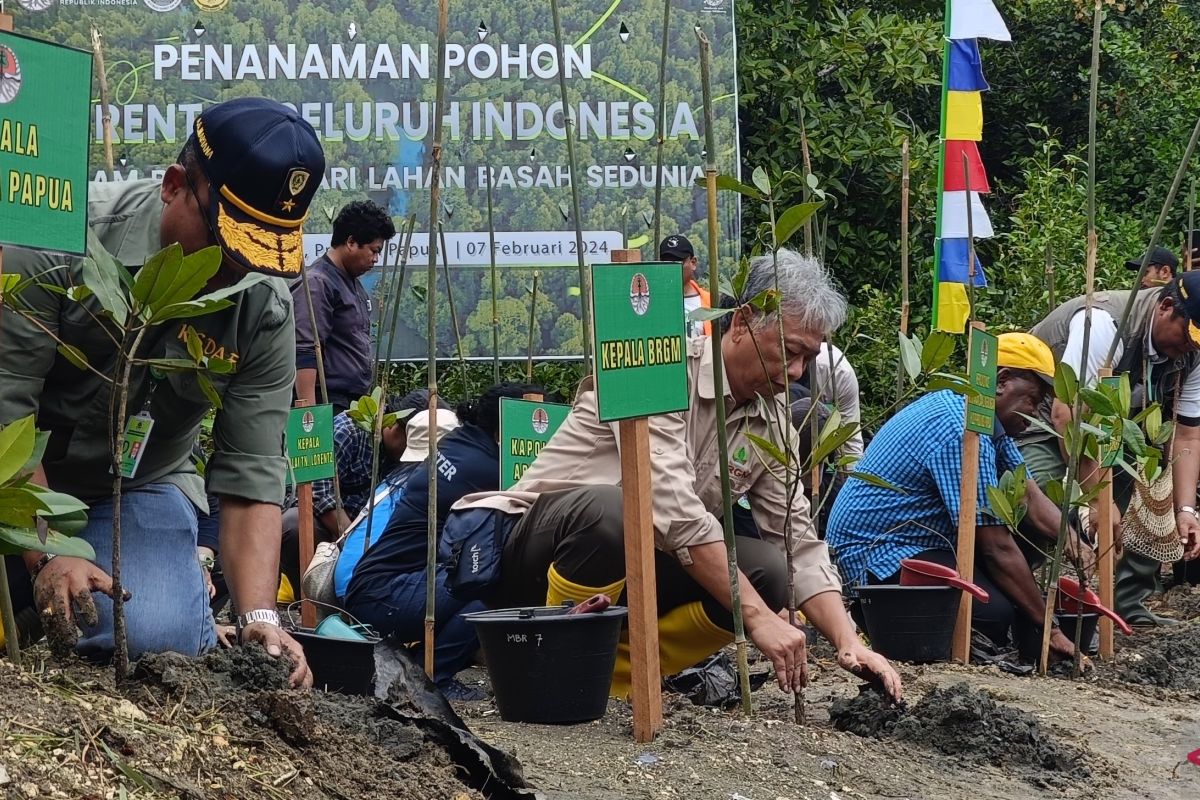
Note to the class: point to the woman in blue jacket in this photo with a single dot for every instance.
(387, 590)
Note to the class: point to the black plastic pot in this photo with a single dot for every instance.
(339, 665)
(1089, 621)
(910, 623)
(548, 666)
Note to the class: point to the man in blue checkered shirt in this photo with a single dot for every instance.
(919, 451)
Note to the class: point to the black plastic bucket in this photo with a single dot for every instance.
(339, 665)
(1068, 622)
(548, 666)
(910, 623)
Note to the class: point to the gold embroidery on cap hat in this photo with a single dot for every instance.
(1183, 292)
(202, 138)
(262, 249)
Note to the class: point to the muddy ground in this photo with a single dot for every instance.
(223, 728)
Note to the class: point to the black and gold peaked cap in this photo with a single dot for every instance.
(264, 164)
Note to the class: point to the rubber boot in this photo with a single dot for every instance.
(686, 636)
(560, 589)
(1136, 580)
(286, 593)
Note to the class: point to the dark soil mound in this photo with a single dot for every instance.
(1170, 660)
(963, 723)
(1182, 602)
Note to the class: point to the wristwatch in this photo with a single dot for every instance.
(267, 615)
(1189, 510)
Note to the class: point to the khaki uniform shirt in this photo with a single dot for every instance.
(685, 476)
(257, 333)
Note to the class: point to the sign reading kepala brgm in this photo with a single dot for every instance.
(45, 96)
(981, 403)
(638, 333)
(525, 427)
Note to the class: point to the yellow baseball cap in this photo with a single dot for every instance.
(1026, 351)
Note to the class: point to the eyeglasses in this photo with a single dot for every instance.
(212, 233)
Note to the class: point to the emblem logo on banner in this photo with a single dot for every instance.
(307, 422)
(10, 75)
(541, 420)
(35, 5)
(163, 6)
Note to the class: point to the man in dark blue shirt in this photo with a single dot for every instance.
(919, 451)
(340, 307)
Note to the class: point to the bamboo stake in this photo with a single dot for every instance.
(532, 322)
(435, 187)
(1050, 277)
(495, 281)
(462, 358)
(660, 125)
(714, 282)
(904, 299)
(106, 110)
(386, 302)
(1089, 290)
(405, 250)
(806, 192)
(1187, 237)
(585, 285)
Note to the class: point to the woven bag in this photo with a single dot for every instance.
(1148, 527)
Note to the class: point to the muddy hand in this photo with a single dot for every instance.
(872, 667)
(1062, 649)
(785, 647)
(63, 594)
(226, 636)
(277, 642)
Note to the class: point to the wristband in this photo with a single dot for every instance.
(1188, 509)
(40, 565)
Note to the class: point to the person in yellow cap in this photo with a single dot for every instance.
(919, 451)
(1159, 349)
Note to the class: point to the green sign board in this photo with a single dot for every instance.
(1110, 451)
(45, 100)
(638, 333)
(525, 427)
(981, 370)
(310, 443)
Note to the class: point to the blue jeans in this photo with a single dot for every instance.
(397, 608)
(169, 608)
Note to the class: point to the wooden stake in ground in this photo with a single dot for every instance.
(640, 583)
(1104, 563)
(968, 498)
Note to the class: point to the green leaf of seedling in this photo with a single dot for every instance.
(73, 354)
(207, 388)
(726, 183)
(936, 351)
(1091, 494)
(155, 275)
(1055, 492)
(792, 220)
(14, 541)
(812, 182)
(1134, 439)
(1098, 402)
(1164, 433)
(1042, 425)
(78, 293)
(194, 347)
(831, 440)
(910, 356)
(1124, 395)
(68, 524)
(770, 448)
(1153, 423)
(19, 506)
(220, 366)
(17, 441)
(761, 181)
(1066, 385)
(1000, 506)
(708, 314)
(766, 301)
(189, 309)
(102, 274)
(40, 440)
(955, 383)
(874, 480)
(739, 279)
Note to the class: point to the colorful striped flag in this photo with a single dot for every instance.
(961, 214)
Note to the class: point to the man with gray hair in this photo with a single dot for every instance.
(563, 526)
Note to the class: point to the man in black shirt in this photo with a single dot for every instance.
(340, 307)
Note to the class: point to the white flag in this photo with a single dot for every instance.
(977, 19)
(954, 216)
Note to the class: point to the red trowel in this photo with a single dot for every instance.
(1070, 598)
(915, 572)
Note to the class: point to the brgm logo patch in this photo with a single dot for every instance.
(639, 294)
(541, 420)
(740, 456)
(10, 75)
(307, 422)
